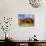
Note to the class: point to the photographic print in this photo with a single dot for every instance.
(25, 20)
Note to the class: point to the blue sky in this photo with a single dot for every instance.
(22, 16)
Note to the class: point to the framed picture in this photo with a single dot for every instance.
(26, 20)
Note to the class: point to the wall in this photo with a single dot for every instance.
(45, 28)
(10, 8)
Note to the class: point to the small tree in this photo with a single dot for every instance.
(6, 24)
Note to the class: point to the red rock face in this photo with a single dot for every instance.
(26, 21)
